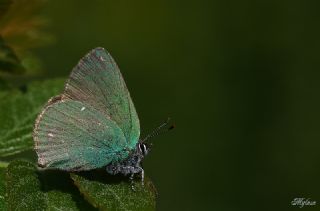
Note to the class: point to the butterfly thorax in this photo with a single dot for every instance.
(132, 164)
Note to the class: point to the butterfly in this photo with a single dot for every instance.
(93, 123)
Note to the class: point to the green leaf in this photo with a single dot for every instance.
(3, 165)
(26, 191)
(115, 193)
(23, 187)
(57, 200)
(2, 189)
(18, 112)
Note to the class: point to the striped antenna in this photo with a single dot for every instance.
(159, 130)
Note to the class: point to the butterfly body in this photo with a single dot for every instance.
(131, 165)
(93, 123)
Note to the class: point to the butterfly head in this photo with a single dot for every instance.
(144, 145)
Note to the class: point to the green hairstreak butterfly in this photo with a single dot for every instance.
(93, 123)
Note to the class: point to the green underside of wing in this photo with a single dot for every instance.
(73, 136)
(97, 81)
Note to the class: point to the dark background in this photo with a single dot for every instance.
(240, 79)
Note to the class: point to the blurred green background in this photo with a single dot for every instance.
(240, 79)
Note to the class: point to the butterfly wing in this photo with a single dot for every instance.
(97, 81)
(72, 136)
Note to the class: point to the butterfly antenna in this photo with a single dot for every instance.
(159, 130)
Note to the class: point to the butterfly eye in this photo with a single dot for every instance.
(143, 149)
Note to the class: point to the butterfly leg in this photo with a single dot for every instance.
(131, 181)
(142, 175)
(136, 170)
(132, 170)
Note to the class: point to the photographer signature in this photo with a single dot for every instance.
(301, 202)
